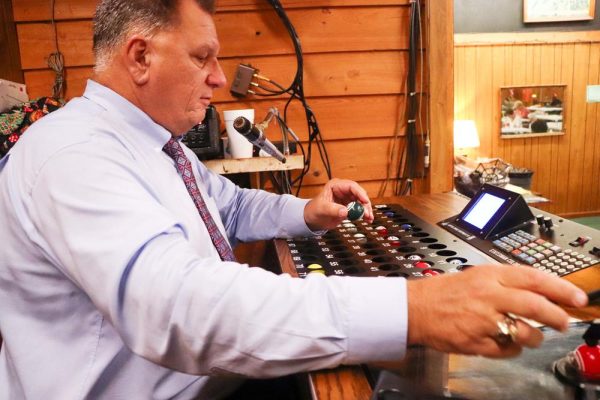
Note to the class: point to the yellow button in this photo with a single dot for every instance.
(314, 266)
(317, 271)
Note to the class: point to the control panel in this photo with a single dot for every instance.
(500, 224)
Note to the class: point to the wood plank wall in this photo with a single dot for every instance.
(566, 168)
(10, 67)
(355, 66)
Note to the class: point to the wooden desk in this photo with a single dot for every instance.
(350, 382)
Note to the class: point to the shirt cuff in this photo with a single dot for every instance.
(296, 224)
(377, 319)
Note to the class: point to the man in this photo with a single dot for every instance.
(111, 286)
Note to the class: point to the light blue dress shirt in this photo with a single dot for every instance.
(110, 287)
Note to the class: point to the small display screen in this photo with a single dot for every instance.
(483, 210)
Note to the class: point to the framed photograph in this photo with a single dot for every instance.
(532, 111)
(558, 10)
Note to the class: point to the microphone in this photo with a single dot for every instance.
(256, 136)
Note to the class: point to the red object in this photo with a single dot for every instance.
(421, 264)
(588, 361)
(432, 272)
(382, 230)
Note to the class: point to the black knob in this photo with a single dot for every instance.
(548, 222)
(540, 219)
(592, 334)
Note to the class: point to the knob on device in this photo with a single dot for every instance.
(582, 366)
(540, 219)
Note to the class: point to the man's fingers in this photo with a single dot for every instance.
(344, 191)
(528, 336)
(533, 306)
(555, 289)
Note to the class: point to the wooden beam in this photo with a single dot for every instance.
(10, 67)
(440, 21)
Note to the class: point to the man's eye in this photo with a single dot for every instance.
(200, 60)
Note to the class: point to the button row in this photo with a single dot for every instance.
(541, 254)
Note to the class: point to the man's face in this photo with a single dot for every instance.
(183, 70)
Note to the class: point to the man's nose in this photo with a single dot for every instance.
(217, 78)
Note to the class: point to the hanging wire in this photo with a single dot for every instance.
(296, 92)
(427, 140)
(406, 155)
(406, 171)
(56, 61)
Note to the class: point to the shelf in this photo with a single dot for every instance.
(254, 164)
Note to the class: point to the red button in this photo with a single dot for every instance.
(588, 361)
(382, 230)
(421, 264)
(432, 272)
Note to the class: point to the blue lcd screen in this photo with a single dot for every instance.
(483, 210)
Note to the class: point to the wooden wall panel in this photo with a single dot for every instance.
(10, 67)
(39, 10)
(566, 167)
(261, 34)
(355, 68)
(346, 74)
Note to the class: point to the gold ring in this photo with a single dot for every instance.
(507, 330)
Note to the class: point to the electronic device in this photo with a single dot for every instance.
(204, 139)
(492, 211)
(397, 243)
(501, 224)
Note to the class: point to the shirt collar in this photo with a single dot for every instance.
(123, 109)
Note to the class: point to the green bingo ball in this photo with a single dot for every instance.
(355, 211)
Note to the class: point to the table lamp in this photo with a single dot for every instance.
(465, 136)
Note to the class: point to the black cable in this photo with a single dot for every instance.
(407, 163)
(305, 167)
(56, 61)
(296, 91)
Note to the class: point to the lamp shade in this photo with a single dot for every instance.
(465, 134)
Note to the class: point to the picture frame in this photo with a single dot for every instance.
(532, 111)
(558, 10)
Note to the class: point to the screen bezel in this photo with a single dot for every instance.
(504, 194)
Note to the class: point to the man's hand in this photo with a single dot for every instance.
(328, 209)
(459, 313)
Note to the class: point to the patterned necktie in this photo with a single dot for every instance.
(184, 167)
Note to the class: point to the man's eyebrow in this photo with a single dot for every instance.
(211, 49)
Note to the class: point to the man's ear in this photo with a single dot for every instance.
(137, 59)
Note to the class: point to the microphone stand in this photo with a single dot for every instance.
(274, 112)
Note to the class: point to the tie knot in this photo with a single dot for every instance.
(173, 148)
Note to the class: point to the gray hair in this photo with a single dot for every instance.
(114, 20)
